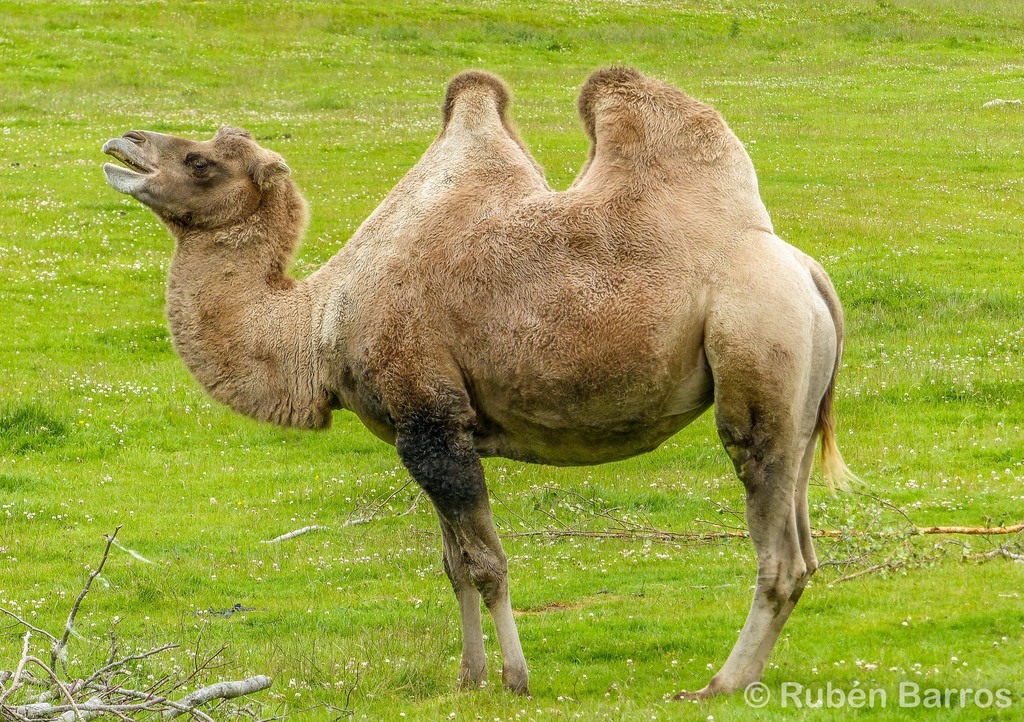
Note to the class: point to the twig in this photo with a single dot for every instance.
(57, 652)
(370, 513)
(412, 507)
(497, 499)
(887, 503)
(376, 505)
(552, 517)
(719, 524)
(61, 687)
(114, 665)
(887, 564)
(25, 624)
(891, 563)
(19, 670)
(997, 552)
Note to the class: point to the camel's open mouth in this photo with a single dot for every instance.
(134, 175)
(131, 163)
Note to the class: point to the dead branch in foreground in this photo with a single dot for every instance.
(660, 535)
(368, 513)
(104, 692)
(593, 520)
(623, 528)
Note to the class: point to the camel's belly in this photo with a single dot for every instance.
(578, 447)
(580, 433)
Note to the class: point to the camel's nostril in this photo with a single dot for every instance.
(135, 137)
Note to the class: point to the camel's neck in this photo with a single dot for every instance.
(243, 327)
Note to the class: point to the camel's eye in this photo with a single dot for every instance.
(197, 162)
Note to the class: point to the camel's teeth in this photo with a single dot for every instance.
(132, 165)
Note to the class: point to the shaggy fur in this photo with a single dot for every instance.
(478, 313)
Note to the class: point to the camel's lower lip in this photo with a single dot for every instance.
(124, 179)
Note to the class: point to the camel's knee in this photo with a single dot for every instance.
(488, 570)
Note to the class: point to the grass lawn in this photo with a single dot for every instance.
(876, 154)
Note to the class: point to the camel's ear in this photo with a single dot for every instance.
(267, 168)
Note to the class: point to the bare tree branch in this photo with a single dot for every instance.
(114, 665)
(57, 652)
(368, 514)
(221, 690)
(19, 670)
(1000, 551)
(26, 625)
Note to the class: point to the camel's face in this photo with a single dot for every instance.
(209, 185)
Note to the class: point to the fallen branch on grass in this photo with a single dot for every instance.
(660, 535)
(221, 690)
(293, 534)
(1000, 551)
(104, 692)
(370, 512)
(96, 705)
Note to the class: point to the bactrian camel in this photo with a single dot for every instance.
(477, 312)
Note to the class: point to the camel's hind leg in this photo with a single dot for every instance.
(754, 665)
(441, 458)
(779, 525)
(766, 409)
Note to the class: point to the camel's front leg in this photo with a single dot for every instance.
(473, 669)
(441, 458)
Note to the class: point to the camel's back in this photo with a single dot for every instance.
(548, 308)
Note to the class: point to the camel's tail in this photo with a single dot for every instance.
(835, 470)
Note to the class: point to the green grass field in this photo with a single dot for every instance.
(866, 123)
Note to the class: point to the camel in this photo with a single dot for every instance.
(478, 313)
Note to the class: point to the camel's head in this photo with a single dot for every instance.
(194, 184)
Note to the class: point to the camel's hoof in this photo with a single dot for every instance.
(516, 681)
(472, 678)
(713, 688)
(716, 687)
(698, 696)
